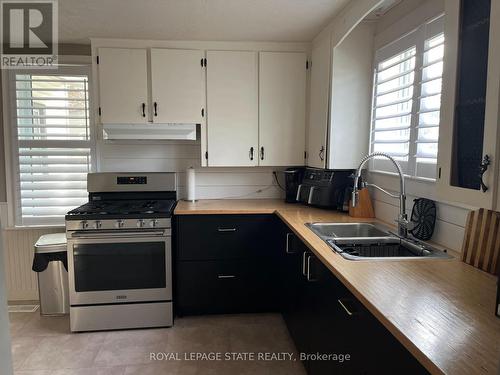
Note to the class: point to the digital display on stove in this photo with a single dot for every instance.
(132, 180)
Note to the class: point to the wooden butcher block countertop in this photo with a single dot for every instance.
(441, 310)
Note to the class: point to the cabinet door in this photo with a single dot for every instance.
(319, 103)
(123, 85)
(470, 103)
(176, 85)
(232, 108)
(282, 108)
(226, 286)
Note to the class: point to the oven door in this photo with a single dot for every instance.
(119, 267)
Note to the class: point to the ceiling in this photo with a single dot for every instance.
(224, 20)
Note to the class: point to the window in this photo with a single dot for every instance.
(407, 101)
(52, 138)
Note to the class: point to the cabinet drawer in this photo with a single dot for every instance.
(212, 237)
(228, 286)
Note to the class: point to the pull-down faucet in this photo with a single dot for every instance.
(403, 217)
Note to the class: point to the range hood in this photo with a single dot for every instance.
(150, 131)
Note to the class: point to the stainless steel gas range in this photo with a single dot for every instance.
(119, 252)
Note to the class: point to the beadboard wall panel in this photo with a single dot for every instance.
(18, 256)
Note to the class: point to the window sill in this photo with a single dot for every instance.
(431, 181)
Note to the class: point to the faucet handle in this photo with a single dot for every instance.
(404, 225)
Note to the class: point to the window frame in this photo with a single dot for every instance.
(11, 136)
(416, 38)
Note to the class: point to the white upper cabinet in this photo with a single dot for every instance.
(470, 108)
(319, 103)
(123, 88)
(176, 85)
(232, 108)
(282, 108)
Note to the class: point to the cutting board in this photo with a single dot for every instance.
(364, 208)
(481, 246)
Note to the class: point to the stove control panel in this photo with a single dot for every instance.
(118, 224)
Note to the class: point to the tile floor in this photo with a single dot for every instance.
(44, 346)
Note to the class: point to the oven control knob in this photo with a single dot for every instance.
(153, 223)
(97, 224)
(119, 223)
(140, 223)
(85, 224)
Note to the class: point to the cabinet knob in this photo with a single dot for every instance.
(250, 154)
(262, 153)
(155, 108)
(143, 105)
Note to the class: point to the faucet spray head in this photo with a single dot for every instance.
(354, 198)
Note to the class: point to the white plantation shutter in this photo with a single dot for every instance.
(52, 131)
(407, 101)
(393, 102)
(430, 107)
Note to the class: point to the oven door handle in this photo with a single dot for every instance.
(120, 234)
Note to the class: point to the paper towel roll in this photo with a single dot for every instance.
(191, 184)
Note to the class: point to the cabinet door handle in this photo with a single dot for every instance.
(322, 153)
(346, 309)
(225, 230)
(250, 154)
(287, 248)
(304, 261)
(482, 170)
(262, 153)
(155, 107)
(308, 276)
(226, 276)
(143, 105)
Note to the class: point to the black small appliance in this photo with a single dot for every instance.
(293, 178)
(325, 188)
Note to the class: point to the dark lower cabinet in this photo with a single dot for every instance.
(226, 264)
(253, 263)
(332, 330)
(226, 286)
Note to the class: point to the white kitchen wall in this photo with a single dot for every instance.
(451, 218)
(18, 252)
(177, 156)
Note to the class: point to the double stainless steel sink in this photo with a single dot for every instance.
(372, 241)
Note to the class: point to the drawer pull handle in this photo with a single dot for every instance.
(224, 230)
(304, 261)
(349, 312)
(226, 276)
(288, 248)
(308, 271)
